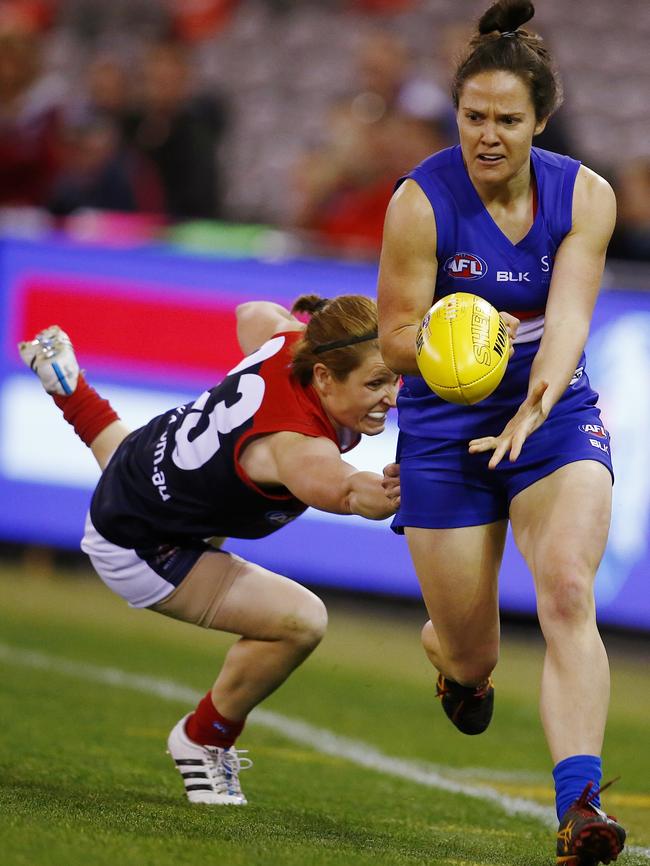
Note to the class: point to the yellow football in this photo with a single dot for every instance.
(462, 348)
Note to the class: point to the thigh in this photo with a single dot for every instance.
(443, 486)
(561, 522)
(225, 592)
(140, 578)
(458, 574)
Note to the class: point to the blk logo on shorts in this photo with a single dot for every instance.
(466, 266)
(598, 436)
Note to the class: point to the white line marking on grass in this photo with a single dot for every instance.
(358, 752)
(319, 739)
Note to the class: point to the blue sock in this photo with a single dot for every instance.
(571, 777)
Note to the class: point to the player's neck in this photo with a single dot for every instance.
(506, 194)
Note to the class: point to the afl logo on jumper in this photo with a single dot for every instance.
(465, 266)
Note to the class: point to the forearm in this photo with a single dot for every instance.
(398, 350)
(366, 496)
(557, 359)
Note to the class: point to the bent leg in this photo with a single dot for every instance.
(458, 570)
(560, 524)
(280, 623)
(51, 356)
(104, 444)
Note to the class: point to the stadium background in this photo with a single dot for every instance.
(270, 134)
(161, 161)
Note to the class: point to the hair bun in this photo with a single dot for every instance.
(506, 16)
(309, 304)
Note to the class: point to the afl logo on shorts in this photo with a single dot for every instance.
(280, 518)
(465, 266)
(595, 430)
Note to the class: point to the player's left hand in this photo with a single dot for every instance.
(530, 415)
(390, 483)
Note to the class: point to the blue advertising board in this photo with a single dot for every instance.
(153, 329)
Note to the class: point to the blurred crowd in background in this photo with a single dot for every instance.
(298, 114)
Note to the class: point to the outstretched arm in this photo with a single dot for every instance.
(312, 469)
(577, 273)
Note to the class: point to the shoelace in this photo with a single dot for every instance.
(588, 796)
(47, 347)
(481, 691)
(225, 765)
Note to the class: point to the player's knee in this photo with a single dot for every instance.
(427, 635)
(569, 601)
(306, 626)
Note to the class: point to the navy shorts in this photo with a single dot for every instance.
(443, 485)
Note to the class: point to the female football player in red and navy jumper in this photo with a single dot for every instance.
(243, 460)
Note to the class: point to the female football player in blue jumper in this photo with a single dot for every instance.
(528, 231)
(244, 459)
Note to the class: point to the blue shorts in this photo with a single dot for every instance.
(444, 486)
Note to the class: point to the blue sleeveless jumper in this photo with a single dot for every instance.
(442, 484)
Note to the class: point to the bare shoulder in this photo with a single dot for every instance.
(410, 213)
(593, 199)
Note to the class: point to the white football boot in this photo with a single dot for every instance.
(210, 774)
(51, 356)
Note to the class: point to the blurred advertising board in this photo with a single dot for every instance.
(154, 328)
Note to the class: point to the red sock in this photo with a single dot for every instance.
(88, 413)
(208, 727)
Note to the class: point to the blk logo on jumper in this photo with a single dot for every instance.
(513, 277)
(466, 266)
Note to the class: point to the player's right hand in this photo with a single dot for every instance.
(390, 483)
(530, 415)
(512, 326)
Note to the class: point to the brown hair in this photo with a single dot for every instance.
(338, 334)
(500, 45)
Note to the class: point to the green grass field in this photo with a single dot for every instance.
(85, 778)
